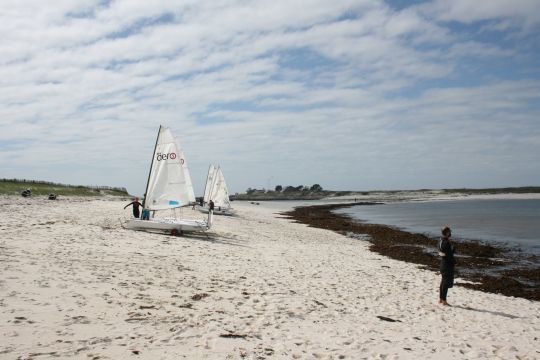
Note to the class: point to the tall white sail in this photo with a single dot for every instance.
(169, 182)
(220, 193)
(209, 183)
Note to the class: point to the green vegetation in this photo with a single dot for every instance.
(16, 186)
(301, 192)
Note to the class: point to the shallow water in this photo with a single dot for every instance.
(507, 222)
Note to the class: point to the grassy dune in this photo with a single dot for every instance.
(15, 186)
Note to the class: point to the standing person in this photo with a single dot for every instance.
(210, 205)
(136, 205)
(446, 251)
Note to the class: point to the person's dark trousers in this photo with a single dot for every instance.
(447, 282)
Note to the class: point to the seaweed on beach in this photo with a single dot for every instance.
(233, 336)
(198, 297)
(486, 267)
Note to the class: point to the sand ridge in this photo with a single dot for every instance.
(75, 284)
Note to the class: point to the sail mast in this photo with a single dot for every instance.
(151, 164)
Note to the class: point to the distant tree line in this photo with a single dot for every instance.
(94, 187)
(289, 189)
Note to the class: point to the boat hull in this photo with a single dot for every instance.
(226, 212)
(170, 225)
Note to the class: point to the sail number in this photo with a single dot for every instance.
(168, 156)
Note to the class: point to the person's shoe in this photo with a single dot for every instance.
(445, 303)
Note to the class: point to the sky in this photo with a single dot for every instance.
(352, 95)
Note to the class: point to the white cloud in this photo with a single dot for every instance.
(348, 94)
(523, 13)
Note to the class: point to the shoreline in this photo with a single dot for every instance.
(395, 195)
(484, 267)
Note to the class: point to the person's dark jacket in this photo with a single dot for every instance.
(136, 205)
(446, 250)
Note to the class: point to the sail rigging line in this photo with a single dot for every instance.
(151, 165)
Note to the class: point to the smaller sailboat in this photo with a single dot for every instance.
(216, 190)
(169, 187)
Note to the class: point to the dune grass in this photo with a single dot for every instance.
(16, 186)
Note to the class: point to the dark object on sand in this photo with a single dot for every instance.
(233, 336)
(52, 196)
(384, 318)
(26, 193)
(198, 297)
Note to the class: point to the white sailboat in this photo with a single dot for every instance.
(209, 183)
(217, 191)
(169, 187)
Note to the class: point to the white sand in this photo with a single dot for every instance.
(433, 195)
(75, 284)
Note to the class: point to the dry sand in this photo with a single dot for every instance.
(75, 284)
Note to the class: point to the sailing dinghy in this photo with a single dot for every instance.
(169, 187)
(217, 191)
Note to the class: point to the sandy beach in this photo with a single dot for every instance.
(75, 284)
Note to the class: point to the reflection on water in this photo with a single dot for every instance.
(511, 222)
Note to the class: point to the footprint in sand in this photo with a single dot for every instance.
(79, 319)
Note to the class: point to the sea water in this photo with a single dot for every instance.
(514, 223)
